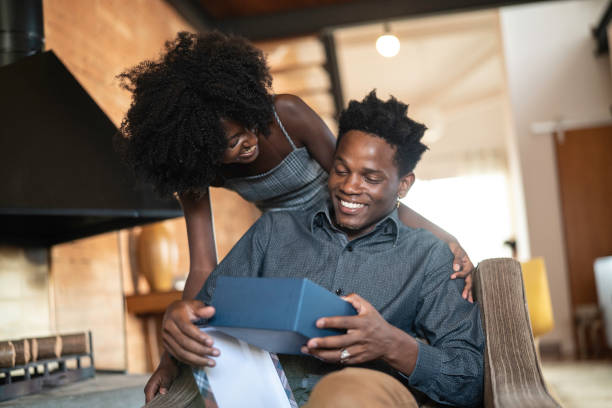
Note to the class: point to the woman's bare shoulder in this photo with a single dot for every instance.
(297, 117)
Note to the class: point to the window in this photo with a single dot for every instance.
(475, 209)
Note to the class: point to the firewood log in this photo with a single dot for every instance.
(46, 347)
(22, 351)
(7, 354)
(77, 343)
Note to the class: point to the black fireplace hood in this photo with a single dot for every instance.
(60, 177)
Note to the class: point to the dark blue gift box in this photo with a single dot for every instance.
(275, 314)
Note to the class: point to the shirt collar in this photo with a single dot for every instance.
(389, 224)
(319, 216)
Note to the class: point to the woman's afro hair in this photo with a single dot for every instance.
(389, 121)
(172, 135)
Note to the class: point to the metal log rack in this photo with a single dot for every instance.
(37, 375)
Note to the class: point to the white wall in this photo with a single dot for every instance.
(552, 74)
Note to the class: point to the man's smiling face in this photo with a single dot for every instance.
(364, 183)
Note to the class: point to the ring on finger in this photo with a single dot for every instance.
(344, 356)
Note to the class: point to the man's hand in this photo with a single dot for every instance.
(369, 337)
(162, 378)
(463, 268)
(182, 339)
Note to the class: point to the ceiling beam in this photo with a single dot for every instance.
(331, 66)
(193, 13)
(314, 20)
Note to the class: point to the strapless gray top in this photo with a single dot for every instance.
(298, 182)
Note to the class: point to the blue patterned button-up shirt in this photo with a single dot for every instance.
(403, 272)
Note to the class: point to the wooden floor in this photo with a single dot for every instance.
(578, 384)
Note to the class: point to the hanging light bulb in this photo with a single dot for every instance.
(387, 44)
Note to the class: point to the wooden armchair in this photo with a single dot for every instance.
(513, 376)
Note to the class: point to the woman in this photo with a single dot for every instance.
(204, 115)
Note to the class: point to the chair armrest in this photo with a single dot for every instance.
(513, 376)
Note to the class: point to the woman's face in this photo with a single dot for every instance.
(242, 144)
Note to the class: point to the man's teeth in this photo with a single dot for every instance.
(351, 205)
(249, 150)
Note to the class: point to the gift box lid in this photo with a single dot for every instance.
(275, 314)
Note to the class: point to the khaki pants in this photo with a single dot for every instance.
(348, 388)
(359, 387)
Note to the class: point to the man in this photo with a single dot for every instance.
(395, 277)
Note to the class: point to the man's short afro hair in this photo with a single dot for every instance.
(172, 135)
(389, 121)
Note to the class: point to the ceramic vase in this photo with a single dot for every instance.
(157, 256)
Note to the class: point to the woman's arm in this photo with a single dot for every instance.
(201, 238)
(202, 260)
(462, 265)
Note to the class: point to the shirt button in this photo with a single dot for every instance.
(349, 248)
(339, 291)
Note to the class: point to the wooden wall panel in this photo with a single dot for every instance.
(302, 81)
(98, 39)
(232, 217)
(297, 67)
(295, 53)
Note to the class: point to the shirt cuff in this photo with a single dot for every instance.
(428, 366)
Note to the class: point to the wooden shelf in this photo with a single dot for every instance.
(151, 303)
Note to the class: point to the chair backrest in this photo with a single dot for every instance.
(513, 376)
